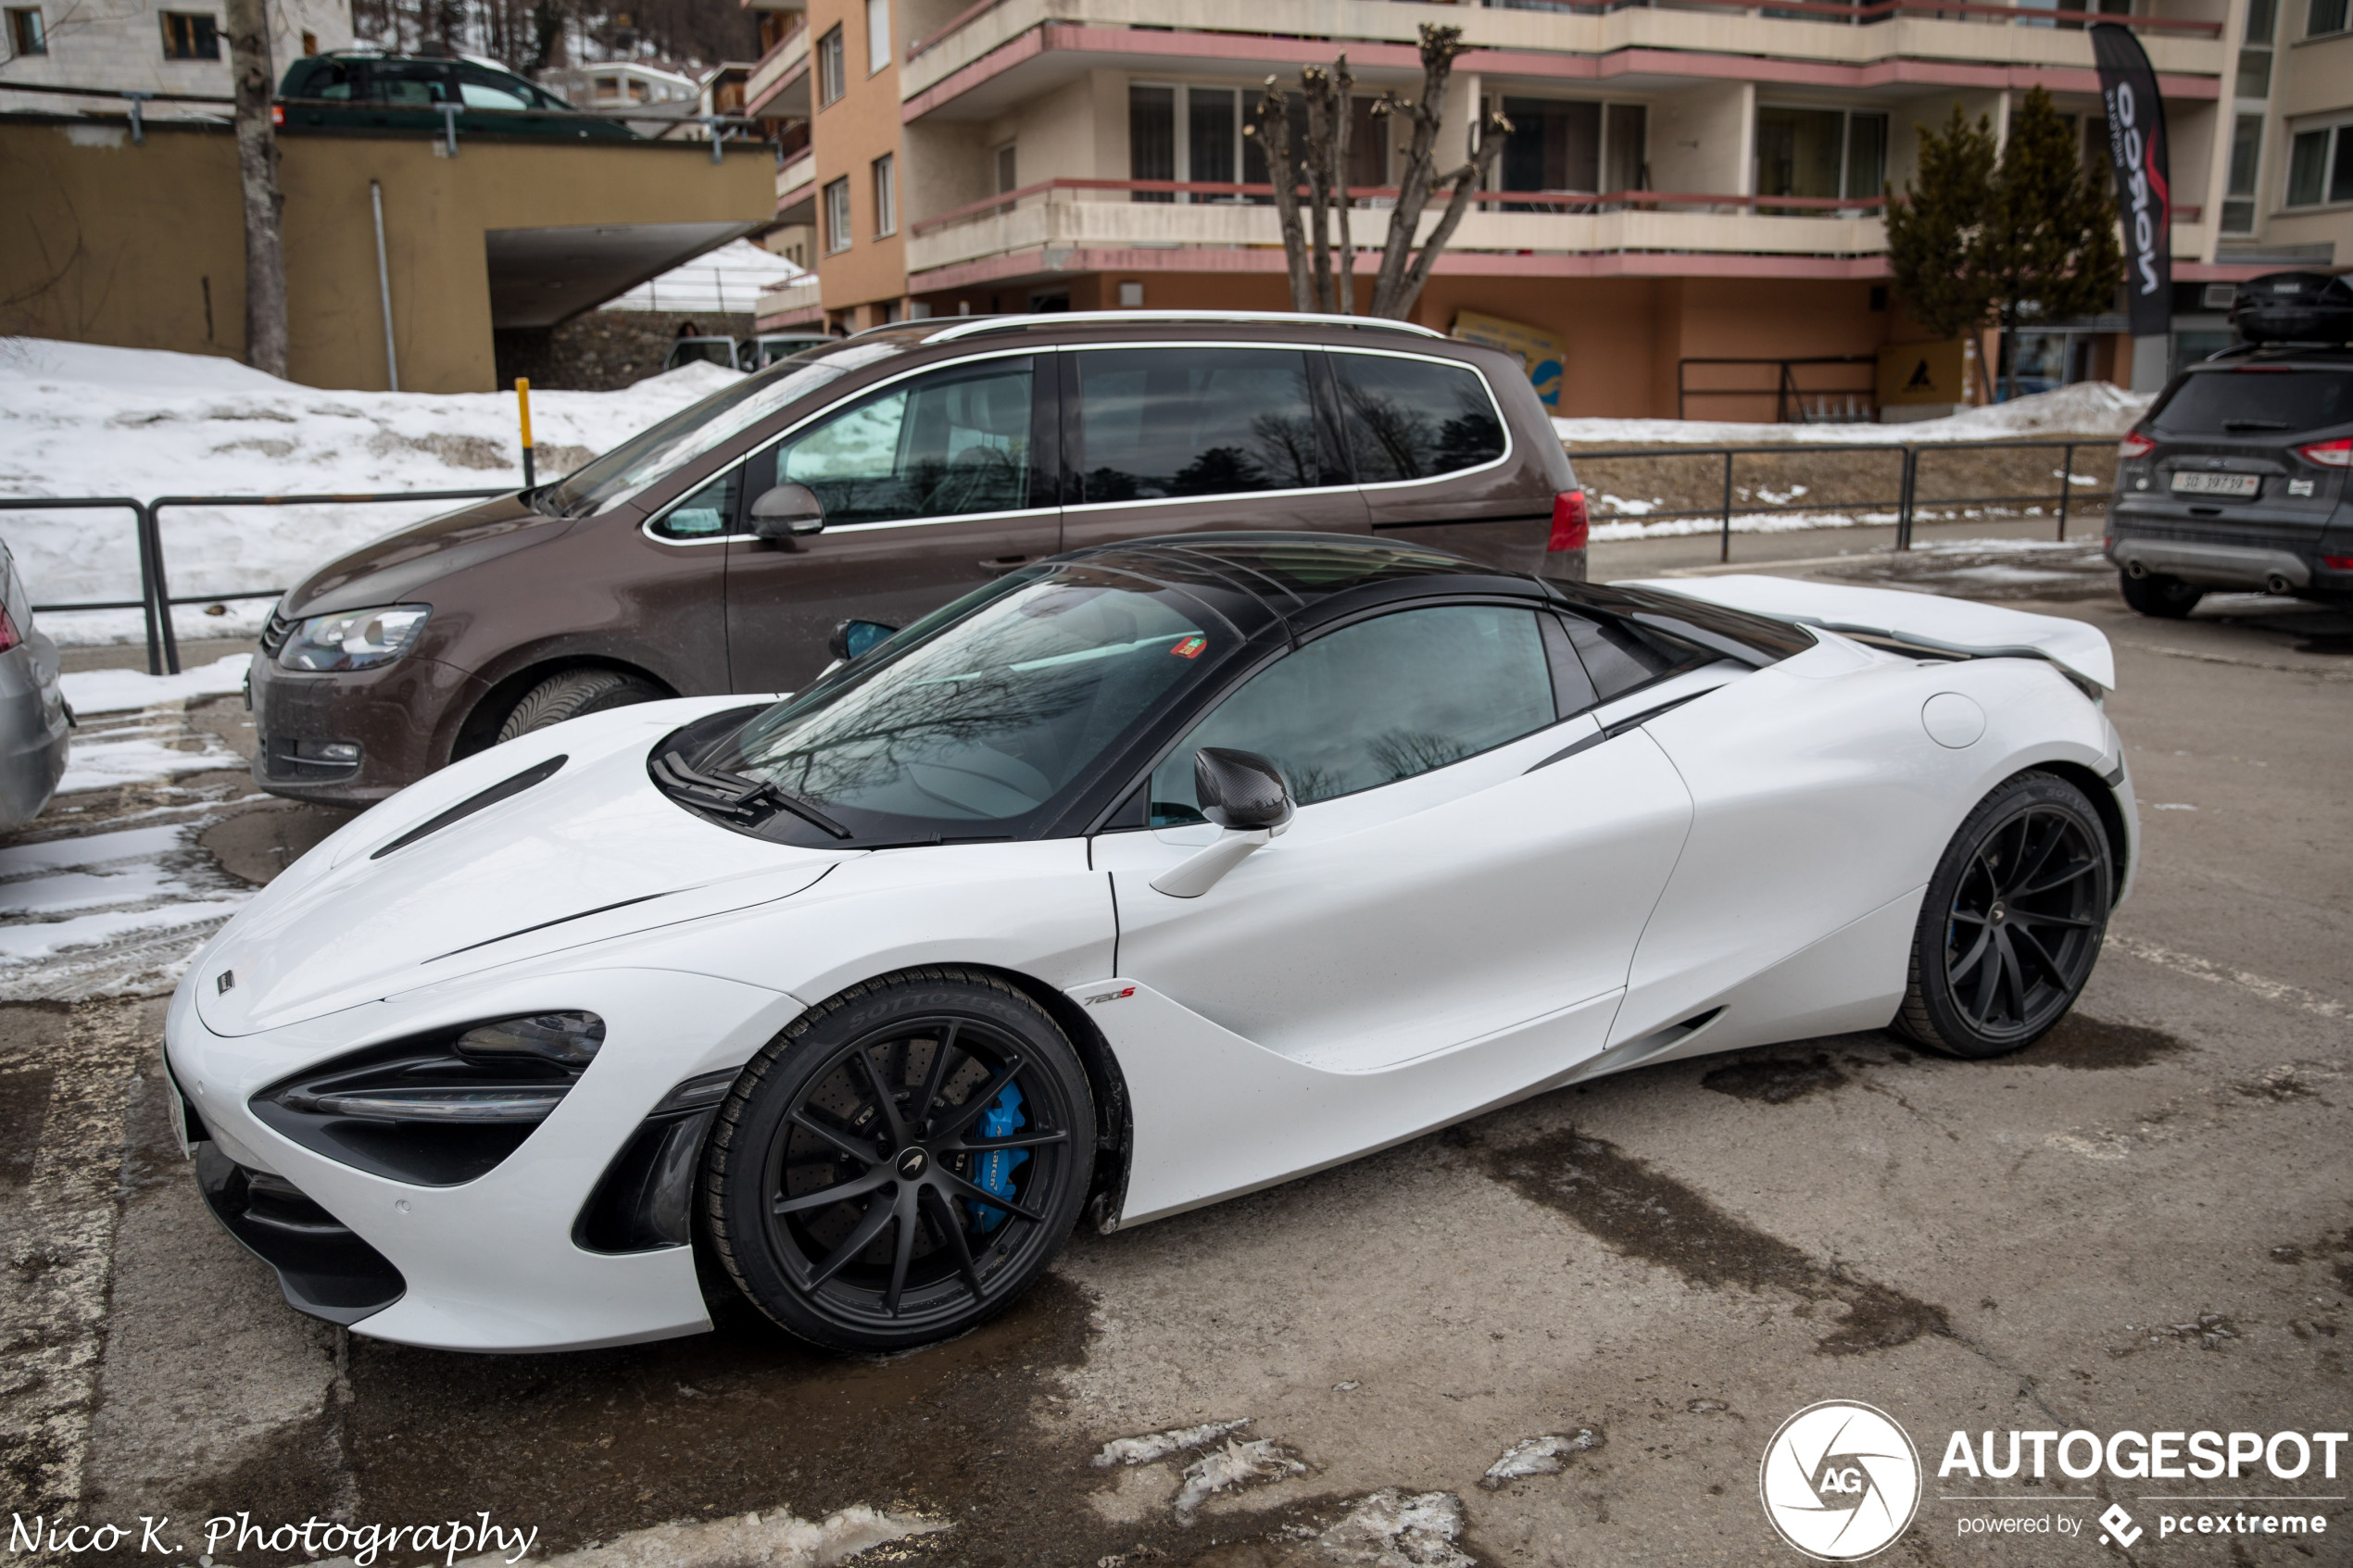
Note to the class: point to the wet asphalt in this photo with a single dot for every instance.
(2143, 1222)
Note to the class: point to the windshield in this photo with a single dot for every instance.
(664, 447)
(2254, 399)
(985, 721)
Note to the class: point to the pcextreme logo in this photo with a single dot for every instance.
(1840, 1481)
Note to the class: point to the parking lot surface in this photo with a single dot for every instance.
(2143, 1223)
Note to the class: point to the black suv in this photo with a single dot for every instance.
(364, 92)
(2237, 478)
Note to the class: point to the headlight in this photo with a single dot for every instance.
(353, 639)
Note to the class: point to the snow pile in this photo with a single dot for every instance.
(1232, 1465)
(1394, 1529)
(120, 691)
(156, 745)
(83, 420)
(726, 281)
(1154, 1447)
(2091, 408)
(1538, 1456)
(746, 1540)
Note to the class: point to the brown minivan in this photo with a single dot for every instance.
(875, 479)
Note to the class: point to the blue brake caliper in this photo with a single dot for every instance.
(994, 1171)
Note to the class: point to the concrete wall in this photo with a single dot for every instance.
(143, 246)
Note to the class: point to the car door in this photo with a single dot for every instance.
(932, 485)
(1169, 439)
(1460, 867)
(1432, 451)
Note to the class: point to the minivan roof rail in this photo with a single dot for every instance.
(968, 327)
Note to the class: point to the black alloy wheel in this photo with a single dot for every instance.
(903, 1162)
(2013, 921)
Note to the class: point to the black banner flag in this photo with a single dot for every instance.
(2137, 148)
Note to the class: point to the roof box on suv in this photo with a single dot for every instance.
(2294, 307)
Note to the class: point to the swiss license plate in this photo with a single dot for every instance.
(2239, 484)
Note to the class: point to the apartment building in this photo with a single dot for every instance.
(144, 47)
(1685, 183)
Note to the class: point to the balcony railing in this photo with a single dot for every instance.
(1794, 10)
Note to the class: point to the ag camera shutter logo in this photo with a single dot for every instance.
(1840, 1481)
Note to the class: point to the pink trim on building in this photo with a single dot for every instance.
(1490, 264)
(1254, 50)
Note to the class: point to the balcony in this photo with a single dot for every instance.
(1094, 225)
(779, 86)
(962, 69)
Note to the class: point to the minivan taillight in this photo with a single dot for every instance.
(278, 116)
(2338, 454)
(2136, 446)
(8, 637)
(1570, 528)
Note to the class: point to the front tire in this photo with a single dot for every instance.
(575, 694)
(902, 1163)
(2012, 922)
(2168, 598)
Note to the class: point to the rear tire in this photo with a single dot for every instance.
(2012, 922)
(2167, 597)
(575, 695)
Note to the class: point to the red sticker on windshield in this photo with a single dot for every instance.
(1191, 648)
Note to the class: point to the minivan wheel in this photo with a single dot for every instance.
(573, 694)
(2159, 595)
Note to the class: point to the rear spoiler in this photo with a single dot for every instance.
(1958, 628)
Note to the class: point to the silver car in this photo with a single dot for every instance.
(33, 715)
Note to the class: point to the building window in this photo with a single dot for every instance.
(2320, 167)
(190, 36)
(1007, 167)
(878, 35)
(2254, 55)
(831, 78)
(1559, 146)
(2327, 16)
(837, 216)
(886, 199)
(1822, 153)
(1194, 134)
(2247, 159)
(26, 35)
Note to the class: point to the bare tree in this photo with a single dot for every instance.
(252, 81)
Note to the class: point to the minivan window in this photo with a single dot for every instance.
(1165, 423)
(663, 448)
(949, 443)
(1415, 418)
(706, 514)
(1376, 702)
(2255, 398)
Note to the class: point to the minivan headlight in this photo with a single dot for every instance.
(353, 639)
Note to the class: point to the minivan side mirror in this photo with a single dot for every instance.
(855, 639)
(1245, 795)
(788, 511)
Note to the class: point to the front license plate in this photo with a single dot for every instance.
(2240, 484)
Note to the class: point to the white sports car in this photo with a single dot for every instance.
(1141, 878)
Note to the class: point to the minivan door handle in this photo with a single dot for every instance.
(996, 566)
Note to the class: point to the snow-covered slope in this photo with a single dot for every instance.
(83, 419)
(2094, 408)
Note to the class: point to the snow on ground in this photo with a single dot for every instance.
(110, 914)
(154, 744)
(118, 691)
(2094, 409)
(85, 420)
(729, 280)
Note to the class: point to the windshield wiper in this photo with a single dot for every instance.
(737, 796)
(2257, 424)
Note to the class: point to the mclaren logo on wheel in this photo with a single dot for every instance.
(1841, 1481)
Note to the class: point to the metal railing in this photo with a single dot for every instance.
(157, 600)
(1906, 502)
(1784, 392)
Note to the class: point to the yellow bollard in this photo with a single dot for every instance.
(522, 402)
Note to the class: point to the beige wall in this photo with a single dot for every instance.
(1701, 139)
(119, 244)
